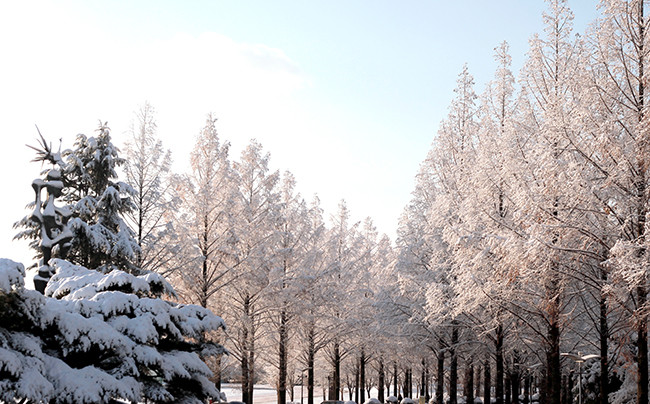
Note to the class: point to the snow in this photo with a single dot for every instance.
(90, 316)
(10, 362)
(89, 384)
(12, 275)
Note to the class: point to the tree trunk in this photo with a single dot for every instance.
(336, 383)
(487, 382)
(244, 357)
(282, 371)
(498, 345)
(356, 381)
(642, 347)
(427, 391)
(311, 356)
(453, 367)
(362, 375)
(381, 381)
(251, 365)
(604, 352)
(395, 387)
(440, 382)
(553, 370)
(477, 378)
(330, 386)
(515, 380)
(469, 382)
(217, 372)
(515, 377)
(244, 365)
(423, 381)
(526, 389)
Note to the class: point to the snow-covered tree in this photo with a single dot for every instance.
(102, 240)
(47, 226)
(546, 185)
(99, 335)
(204, 226)
(481, 281)
(619, 48)
(99, 338)
(313, 325)
(341, 253)
(205, 221)
(451, 160)
(92, 222)
(256, 207)
(147, 169)
(292, 228)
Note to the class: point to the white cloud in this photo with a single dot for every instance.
(64, 78)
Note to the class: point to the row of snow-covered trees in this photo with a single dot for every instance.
(297, 293)
(526, 235)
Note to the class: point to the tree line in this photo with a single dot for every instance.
(296, 293)
(528, 223)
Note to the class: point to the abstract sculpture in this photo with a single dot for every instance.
(52, 220)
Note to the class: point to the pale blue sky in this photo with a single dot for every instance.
(347, 95)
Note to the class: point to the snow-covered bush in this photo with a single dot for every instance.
(96, 338)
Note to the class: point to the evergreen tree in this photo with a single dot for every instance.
(102, 240)
(98, 338)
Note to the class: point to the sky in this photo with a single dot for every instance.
(346, 95)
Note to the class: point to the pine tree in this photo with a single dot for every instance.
(98, 338)
(102, 240)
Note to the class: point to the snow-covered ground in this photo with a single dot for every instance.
(263, 394)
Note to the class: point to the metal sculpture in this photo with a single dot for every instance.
(55, 234)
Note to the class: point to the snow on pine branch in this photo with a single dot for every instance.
(11, 276)
(105, 338)
(76, 282)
